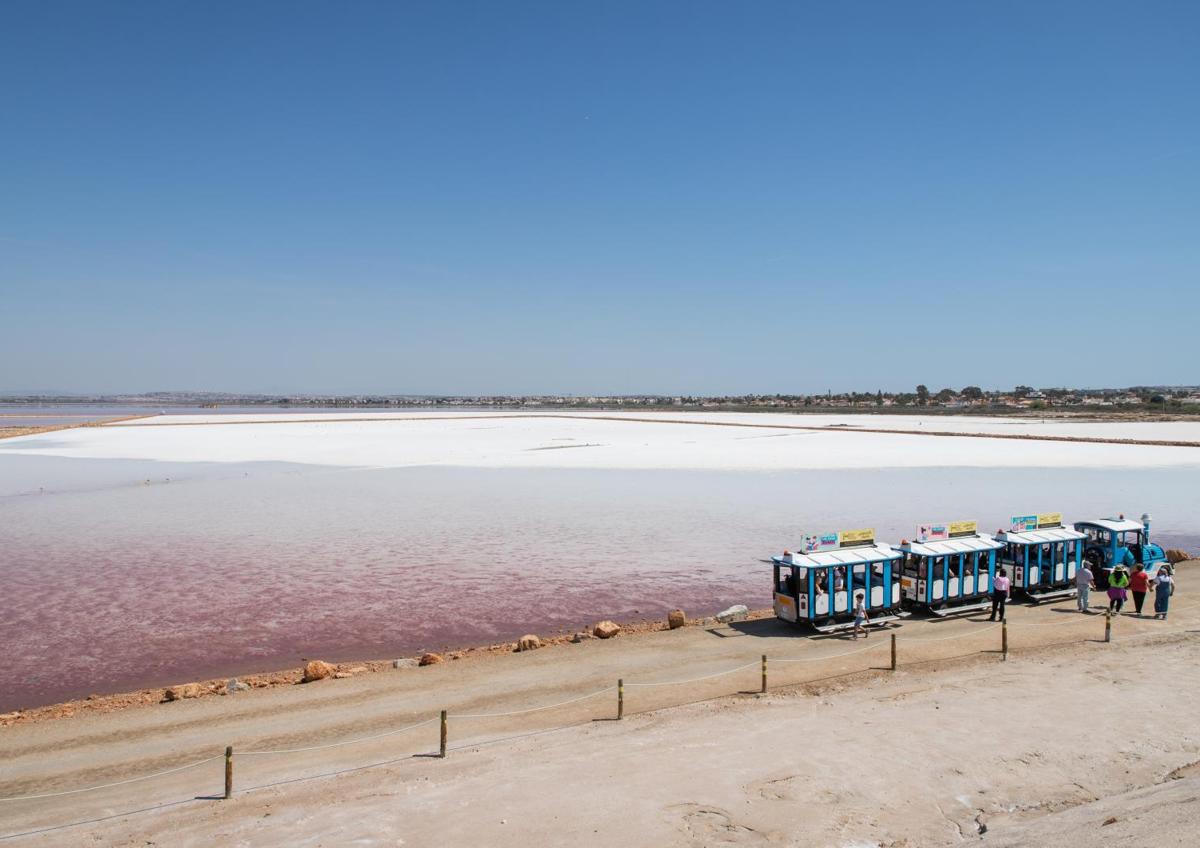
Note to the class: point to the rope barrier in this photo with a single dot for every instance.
(828, 657)
(537, 709)
(1067, 623)
(116, 783)
(952, 635)
(336, 744)
(697, 679)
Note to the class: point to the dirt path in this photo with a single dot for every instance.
(858, 755)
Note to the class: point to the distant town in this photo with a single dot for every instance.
(1172, 400)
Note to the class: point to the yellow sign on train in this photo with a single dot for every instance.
(963, 528)
(1049, 519)
(851, 538)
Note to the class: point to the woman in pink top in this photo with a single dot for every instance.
(1001, 587)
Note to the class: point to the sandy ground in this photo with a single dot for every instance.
(1041, 749)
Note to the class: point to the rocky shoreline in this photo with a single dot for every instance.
(313, 670)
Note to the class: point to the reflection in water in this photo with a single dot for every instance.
(116, 578)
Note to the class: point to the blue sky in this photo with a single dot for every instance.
(604, 197)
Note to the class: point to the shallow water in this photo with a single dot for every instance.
(122, 573)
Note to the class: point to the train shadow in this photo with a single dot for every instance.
(774, 628)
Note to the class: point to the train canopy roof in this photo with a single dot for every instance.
(842, 556)
(1046, 534)
(964, 545)
(1114, 524)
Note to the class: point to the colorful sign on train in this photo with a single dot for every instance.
(1024, 523)
(822, 542)
(932, 532)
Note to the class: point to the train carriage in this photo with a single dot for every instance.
(949, 568)
(1042, 556)
(817, 587)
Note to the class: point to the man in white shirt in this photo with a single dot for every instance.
(1084, 583)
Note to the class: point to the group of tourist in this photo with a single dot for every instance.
(1122, 583)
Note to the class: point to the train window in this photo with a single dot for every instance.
(1131, 537)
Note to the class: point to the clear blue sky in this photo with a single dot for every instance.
(597, 197)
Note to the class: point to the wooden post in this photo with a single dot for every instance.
(228, 772)
(1004, 640)
(893, 652)
(764, 673)
(620, 699)
(1108, 625)
(442, 753)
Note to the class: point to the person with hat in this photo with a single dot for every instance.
(1118, 582)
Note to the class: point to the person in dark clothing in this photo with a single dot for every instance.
(1001, 587)
(1139, 585)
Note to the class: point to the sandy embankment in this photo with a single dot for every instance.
(9, 429)
(1042, 749)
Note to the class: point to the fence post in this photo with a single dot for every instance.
(893, 652)
(1004, 640)
(620, 699)
(764, 673)
(1108, 625)
(228, 772)
(445, 730)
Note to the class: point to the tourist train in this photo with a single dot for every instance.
(950, 568)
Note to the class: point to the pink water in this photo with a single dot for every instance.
(112, 584)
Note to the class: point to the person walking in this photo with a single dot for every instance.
(860, 616)
(1001, 588)
(1139, 585)
(1117, 582)
(1164, 588)
(1084, 583)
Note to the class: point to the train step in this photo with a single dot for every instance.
(1051, 595)
(849, 625)
(986, 603)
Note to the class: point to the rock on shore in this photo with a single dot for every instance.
(1175, 555)
(606, 629)
(317, 670)
(529, 642)
(183, 690)
(737, 612)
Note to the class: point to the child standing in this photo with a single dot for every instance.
(860, 616)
